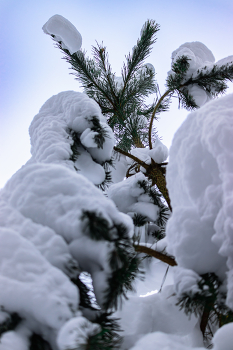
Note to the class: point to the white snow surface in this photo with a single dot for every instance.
(33, 287)
(154, 313)
(200, 184)
(55, 197)
(65, 32)
(51, 134)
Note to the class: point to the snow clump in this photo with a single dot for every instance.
(71, 130)
(65, 32)
(200, 183)
(199, 56)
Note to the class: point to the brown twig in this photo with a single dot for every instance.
(158, 255)
(153, 115)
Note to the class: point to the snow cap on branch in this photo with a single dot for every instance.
(198, 56)
(197, 53)
(65, 32)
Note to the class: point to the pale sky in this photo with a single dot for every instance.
(31, 69)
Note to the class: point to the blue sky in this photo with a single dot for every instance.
(31, 69)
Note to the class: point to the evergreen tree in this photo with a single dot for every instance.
(122, 101)
(81, 254)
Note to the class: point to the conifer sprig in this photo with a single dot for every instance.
(140, 51)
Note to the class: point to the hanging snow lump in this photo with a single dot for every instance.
(65, 32)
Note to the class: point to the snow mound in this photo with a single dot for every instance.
(154, 313)
(66, 131)
(56, 197)
(200, 183)
(65, 32)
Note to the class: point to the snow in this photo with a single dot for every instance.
(162, 341)
(14, 340)
(127, 197)
(223, 338)
(43, 239)
(74, 334)
(197, 53)
(154, 313)
(225, 61)
(158, 153)
(51, 135)
(199, 56)
(32, 287)
(55, 197)
(200, 182)
(65, 32)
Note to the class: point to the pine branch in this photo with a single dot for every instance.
(158, 255)
(140, 52)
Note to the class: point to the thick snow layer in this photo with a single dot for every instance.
(223, 338)
(51, 135)
(74, 334)
(14, 340)
(163, 341)
(155, 313)
(65, 32)
(52, 246)
(32, 287)
(200, 183)
(127, 197)
(55, 197)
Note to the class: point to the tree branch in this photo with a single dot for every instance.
(153, 115)
(158, 255)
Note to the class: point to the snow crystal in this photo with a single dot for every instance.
(75, 333)
(200, 182)
(65, 32)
